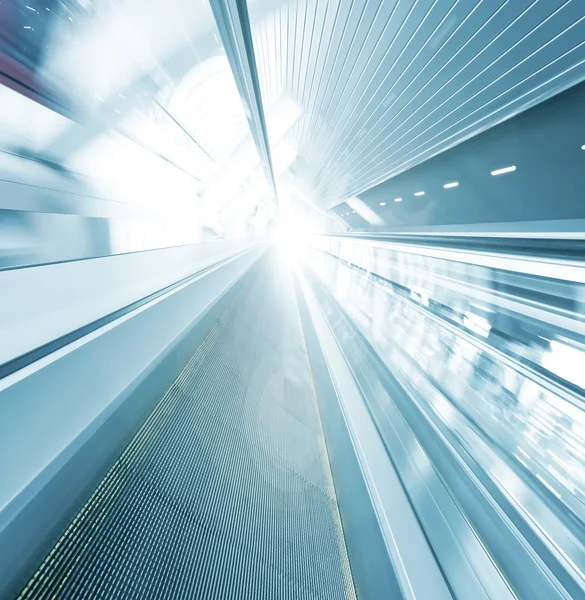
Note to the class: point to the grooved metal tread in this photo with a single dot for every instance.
(225, 492)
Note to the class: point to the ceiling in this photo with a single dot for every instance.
(528, 169)
(380, 85)
(386, 84)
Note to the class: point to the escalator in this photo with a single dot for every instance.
(344, 426)
(225, 491)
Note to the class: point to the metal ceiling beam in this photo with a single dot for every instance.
(233, 24)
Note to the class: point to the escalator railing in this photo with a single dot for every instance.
(472, 352)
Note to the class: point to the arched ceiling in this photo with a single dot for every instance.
(380, 85)
(386, 84)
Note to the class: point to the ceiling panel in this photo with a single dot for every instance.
(386, 84)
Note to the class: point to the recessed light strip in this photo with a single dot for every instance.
(504, 170)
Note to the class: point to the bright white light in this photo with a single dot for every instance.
(419, 193)
(482, 307)
(548, 486)
(451, 185)
(504, 170)
(583, 147)
(382, 203)
(293, 237)
(397, 199)
(283, 157)
(477, 324)
(566, 362)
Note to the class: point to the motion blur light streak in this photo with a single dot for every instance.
(365, 212)
(230, 366)
(566, 361)
(477, 324)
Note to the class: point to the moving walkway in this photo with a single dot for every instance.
(321, 428)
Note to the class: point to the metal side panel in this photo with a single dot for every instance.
(417, 570)
(42, 303)
(225, 491)
(484, 549)
(233, 25)
(373, 573)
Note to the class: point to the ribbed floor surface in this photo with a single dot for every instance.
(225, 492)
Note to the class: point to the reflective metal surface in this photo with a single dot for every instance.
(388, 83)
(489, 345)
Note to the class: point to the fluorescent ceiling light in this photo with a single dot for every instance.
(504, 170)
(419, 193)
(452, 184)
(382, 203)
(397, 199)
